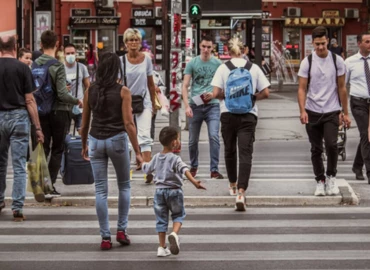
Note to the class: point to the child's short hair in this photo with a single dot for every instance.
(167, 135)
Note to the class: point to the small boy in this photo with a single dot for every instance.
(168, 169)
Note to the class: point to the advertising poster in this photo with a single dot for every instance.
(351, 45)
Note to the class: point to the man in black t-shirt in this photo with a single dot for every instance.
(335, 48)
(17, 104)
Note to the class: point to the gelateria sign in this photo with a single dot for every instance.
(94, 21)
(313, 22)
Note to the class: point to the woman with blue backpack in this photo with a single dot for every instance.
(238, 83)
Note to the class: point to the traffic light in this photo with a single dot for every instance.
(195, 13)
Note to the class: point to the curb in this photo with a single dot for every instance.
(202, 201)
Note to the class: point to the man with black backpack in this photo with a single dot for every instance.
(53, 101)
(322, 95)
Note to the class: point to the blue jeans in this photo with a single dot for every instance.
(14, 132)
(168, 200)
(115, 148)
(211, 115)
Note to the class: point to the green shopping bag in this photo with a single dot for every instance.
(39, 182)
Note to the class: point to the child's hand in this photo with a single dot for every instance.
(199, 185)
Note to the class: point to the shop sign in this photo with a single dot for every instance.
(146, 22)
(143, 2)
(105, 12)
(81, 12)
(94, 21)
(142, 13)
(330, 13)
(313, 22)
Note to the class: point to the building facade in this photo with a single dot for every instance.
(287, 31)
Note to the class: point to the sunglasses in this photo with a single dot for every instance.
(208, 47)
(134, 40)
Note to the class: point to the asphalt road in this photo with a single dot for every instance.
(211, 238)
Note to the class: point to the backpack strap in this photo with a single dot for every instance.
(230, 65)
(309, 58)
(248, 65)
(335, 62)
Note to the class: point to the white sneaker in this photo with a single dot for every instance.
(163, 252)
(240, 202)
(320, 189)
(232, 191)
(331, 186)
(174, 243)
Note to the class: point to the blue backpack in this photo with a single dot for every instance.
(44, 94)
(239, 98)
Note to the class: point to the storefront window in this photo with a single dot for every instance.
(81, 40)
(292, 43)
(106, 40)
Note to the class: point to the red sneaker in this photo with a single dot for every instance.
(106, 244)
(216, 175)
(122, 238)
(193, 171)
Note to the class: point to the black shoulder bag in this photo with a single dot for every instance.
(137, 102)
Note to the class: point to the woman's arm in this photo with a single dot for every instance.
(86, 115)
(151, 87)
(129, 123)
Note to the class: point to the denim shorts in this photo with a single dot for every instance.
(168, 200)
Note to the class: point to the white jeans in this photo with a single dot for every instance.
(143, 125)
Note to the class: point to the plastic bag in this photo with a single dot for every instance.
(39, 181)
(165, 111)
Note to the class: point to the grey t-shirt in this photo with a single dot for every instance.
(71, 75)
(168, 169)
(322, 95)
(137, 78)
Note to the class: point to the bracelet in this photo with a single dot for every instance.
(38, 129)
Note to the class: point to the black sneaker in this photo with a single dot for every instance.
(2, 205)
(18, 215)
(55, 193)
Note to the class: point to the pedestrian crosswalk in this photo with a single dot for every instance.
(211, 238)
(266, 169)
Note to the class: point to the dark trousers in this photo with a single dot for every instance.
(360, 111)
(238, 129)
(55, 127)
(323, 126)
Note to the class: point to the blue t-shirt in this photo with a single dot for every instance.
(202, 74)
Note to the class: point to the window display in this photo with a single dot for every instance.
(81, 40)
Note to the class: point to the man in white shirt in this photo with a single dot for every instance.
(358, 76)
(321, 93)
(83, 80)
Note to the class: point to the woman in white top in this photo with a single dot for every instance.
(238, 128)
(139, 77)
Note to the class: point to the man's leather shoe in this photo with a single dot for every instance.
(359, 174)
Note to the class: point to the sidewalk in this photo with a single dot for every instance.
(278, 120)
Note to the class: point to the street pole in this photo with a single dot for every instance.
(188, 46)
(176, 67)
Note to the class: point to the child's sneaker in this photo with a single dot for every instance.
(106, 243)
(18, 216)
(174, 243)
(163, 252)
(122, 238)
